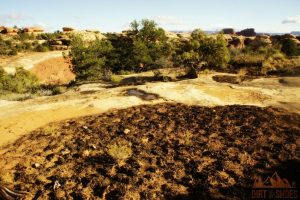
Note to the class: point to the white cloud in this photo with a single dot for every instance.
(12, 18)
(168, 21)
(292, 20)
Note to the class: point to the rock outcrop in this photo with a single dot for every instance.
(249, 32)
(2, 28)
(229, 31)
(10, 31)
(68, 29)
(33, 30)
(236, 42)
(261, 41)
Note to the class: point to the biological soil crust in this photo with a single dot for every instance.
(163, 151)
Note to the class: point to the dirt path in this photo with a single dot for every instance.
(19, 118)
(28, 60)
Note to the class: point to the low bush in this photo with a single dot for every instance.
(20, 82)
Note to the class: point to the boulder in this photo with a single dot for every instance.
(55, 42)
(2, 28)
(288, 36)
(248, 41)
(261, 40)
(229, 31)
(8, 30)
(28, 30)
(88, 36)
(59, 47)
(298, 38)
(236, 42)
(38, 29)
(249, 32)
(275, 39)
(68, 29)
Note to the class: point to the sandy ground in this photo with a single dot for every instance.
(19, 118)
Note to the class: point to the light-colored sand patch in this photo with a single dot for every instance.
(13, 127)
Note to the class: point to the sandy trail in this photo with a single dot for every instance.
(27, 61)
(19, 118)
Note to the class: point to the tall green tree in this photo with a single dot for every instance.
(202, 50)
(89, 59)
(150, 43)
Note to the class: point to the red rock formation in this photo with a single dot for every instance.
(68, 29)
(8, 30)
(2, 28)
(33, 30)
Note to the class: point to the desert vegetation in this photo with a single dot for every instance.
(145, 46)
(24, 85)
(21, 43)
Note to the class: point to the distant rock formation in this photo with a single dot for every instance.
(297, 33)
(33, 30)
(68, 29)
(229, 31)
(10, 31)
(249, 32)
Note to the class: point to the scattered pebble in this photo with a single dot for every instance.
(36, 165)
(126, 131)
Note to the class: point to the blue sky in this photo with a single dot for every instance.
(115, 15)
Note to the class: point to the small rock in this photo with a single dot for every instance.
(126, 131)
(56, 185)
(85, 127)
(92, 146)
(36, 165)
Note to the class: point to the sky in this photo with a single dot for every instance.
(174, 15)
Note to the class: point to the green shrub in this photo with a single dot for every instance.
(21, 82)
(115, 79)
(202, 50)
(89, 59)
(120, 149)
(58, 90)
(41, 48)
(290, 48)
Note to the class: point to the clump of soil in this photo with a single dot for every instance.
(163, 151)
(231, 79)
(142, 94)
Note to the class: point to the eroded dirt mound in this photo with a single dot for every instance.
(164, 151)
(54, 71)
